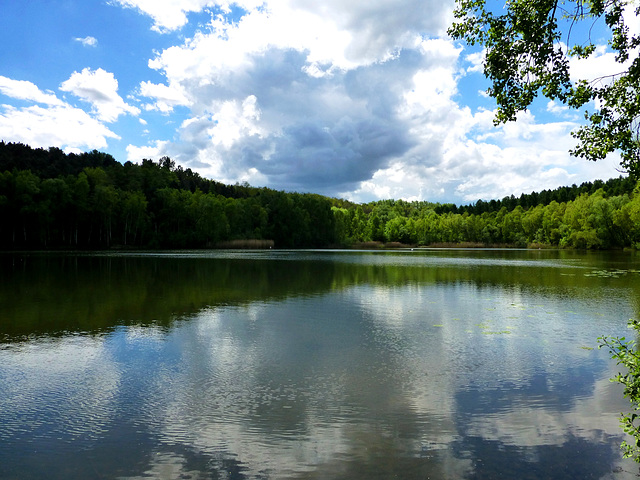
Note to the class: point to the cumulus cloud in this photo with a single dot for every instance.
(476, 61)
(362, 100)
(451, 163)
(99, 88)
(51, 122)
(60, 125)
(87, 41)
(166, 97)
(137, 154)
(352, 99)
(23, 90)
(167, 15)
(305, 94)
(557, 108)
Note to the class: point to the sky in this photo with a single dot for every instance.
(362, 100)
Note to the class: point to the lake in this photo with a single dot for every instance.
(441, 364)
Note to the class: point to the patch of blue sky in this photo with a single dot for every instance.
(472, 89)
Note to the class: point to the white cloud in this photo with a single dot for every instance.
(23, 90)
(234, 121)
(152, 152)
(333, 34)
(556, 108)
(87, 41)
(358, 99)
(167, 97)
(352, 99)
(477, 62)
(50, 123)
(323, 104)
(448, 164)
(167, 15)
(99, 88)
(60, 125)
(631, 19)
(433, 90)
(598, 66)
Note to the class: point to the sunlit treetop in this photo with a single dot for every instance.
(528, 46)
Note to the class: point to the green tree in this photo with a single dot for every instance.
(400, 229)
(8, 208)
(105, 201)
(375, 227)
(56, 192)
(579, 230)
(80, 213)
(426, 227)
(473, 226)
(134, 216)
(341, 219)
(512, 227)
(451, 228)
(288, 222)
(532, 224)
(358, 224)
(603, 215)
(319, 220)
(208, 214)
(174, 226)
(552, 222)
(27, 189)
(625, 352)
(528, 45)
(627, 219)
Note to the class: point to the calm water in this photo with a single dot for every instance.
(313, 365)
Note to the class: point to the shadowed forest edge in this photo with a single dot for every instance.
(49, 199)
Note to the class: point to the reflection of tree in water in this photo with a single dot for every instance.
(45, 294)
(59, 293)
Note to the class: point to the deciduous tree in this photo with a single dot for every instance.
(529, 46)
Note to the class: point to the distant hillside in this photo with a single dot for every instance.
(49, 199)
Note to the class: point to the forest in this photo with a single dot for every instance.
(50, 199)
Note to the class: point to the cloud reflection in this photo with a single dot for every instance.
(283, 391)
(435, 378)
(61, 388)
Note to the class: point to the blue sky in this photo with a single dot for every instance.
(362, 100)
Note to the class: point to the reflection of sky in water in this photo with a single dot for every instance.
(57, 389)
(371, 381)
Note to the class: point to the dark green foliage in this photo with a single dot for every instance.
(160, 205)
(50, 163)
(52, 200)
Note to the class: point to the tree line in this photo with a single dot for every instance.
(49, 199)
(591, 221)
(611, 187)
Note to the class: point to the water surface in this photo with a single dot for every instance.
(313, 364)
